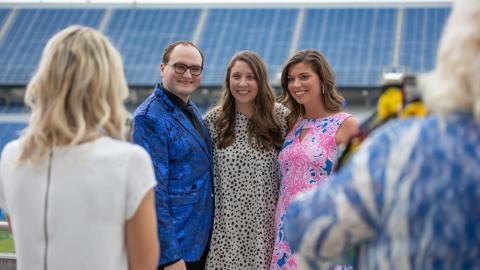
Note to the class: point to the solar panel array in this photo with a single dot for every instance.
(358, 42)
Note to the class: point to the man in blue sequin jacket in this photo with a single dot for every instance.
(170, 127)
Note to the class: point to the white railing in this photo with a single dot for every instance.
(3, 226)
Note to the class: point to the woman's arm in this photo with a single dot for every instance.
(347, 130)
(141, 236)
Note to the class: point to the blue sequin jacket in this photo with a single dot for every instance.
(182, 160)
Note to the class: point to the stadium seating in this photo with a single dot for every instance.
(3, 15)
(227, 31)
(22, 45)
(9, 131)
(141, 35)
(13, 109)
(359, 42)
(421, 34)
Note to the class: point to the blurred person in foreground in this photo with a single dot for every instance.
(409, 199)
(78, 196)
(170, 127)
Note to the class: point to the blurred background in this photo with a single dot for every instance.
(367, 42)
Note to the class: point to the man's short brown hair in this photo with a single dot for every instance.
(168, 50)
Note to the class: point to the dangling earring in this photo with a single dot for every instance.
(323, 89)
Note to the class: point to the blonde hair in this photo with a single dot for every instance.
(76, 94)
(454, 84)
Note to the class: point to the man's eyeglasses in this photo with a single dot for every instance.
(182, 68)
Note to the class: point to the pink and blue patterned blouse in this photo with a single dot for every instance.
(304, 164)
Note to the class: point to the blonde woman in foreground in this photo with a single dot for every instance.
(77, 196)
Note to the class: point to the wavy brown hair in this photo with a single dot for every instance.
(263, 128)
(331, 99)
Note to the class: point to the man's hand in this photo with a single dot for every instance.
(180, 265)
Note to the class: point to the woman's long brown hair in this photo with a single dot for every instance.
(263, 128)
(331, 99)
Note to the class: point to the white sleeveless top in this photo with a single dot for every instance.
(74, 219)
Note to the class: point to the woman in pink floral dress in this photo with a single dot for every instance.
(316, 126)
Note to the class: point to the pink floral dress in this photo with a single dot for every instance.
(304, 164)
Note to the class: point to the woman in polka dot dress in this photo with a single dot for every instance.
(247, 128)
(316, 126)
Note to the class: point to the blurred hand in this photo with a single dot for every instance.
(180, 265)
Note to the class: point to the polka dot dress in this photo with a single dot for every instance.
(246, 192)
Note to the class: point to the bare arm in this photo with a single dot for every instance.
(180, 265)
(141, 236)
(9, 225)
(347, 130)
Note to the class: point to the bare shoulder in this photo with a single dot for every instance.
(11, 152)
(348, 129)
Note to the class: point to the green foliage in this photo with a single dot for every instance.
(6, 242)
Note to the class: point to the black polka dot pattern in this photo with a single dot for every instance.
(246, 192)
